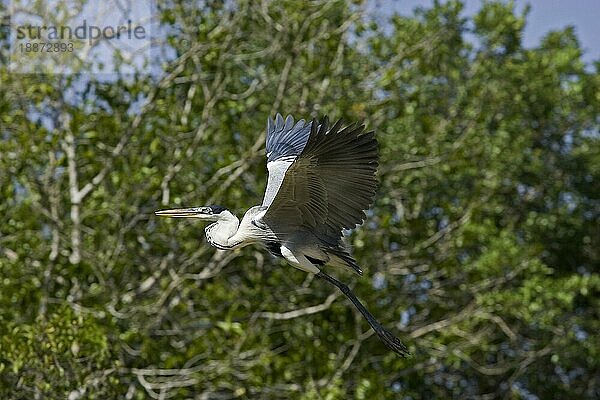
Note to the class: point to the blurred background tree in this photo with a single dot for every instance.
(482, 249)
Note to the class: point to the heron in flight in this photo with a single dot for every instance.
(321, 179)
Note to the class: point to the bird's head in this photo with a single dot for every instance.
(206, 213)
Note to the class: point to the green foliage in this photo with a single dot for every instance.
(481, 251)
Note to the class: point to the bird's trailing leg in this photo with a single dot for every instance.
(387, 337)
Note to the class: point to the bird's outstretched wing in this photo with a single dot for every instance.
(327, 184)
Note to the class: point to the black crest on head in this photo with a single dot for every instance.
(216, 209)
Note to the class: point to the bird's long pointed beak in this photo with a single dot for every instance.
(180, 212)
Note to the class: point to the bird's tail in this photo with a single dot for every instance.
(341, 258)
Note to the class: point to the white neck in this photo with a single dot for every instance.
(221, 232)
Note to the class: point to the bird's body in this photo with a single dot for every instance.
(301, 247)
(321, 179)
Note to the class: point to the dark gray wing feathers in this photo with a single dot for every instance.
(329, 183)
(347, 162)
